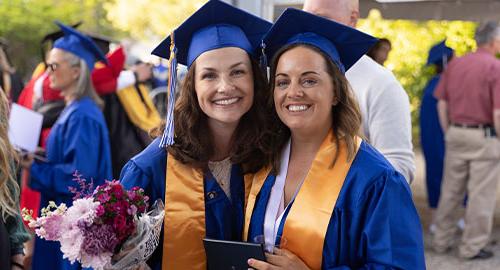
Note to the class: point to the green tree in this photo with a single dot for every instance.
(150, 19)
(24, 23)
(411, 41)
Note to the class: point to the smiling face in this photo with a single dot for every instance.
(224, 85)
(303, 91)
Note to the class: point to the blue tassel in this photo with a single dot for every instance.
(168, 135)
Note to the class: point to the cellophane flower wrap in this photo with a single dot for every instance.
(107, 228)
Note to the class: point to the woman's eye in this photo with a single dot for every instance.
(309, 82)
(281, 83)
(208, 76)
(237, 72)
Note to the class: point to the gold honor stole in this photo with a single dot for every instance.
(307, 222)
(141, 111)
(184, 224)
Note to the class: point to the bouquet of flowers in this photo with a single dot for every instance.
(105, 228)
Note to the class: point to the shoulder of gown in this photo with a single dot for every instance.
(143, 168)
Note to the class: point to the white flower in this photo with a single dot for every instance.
(82, 209)
(71, 241)
(96, 261)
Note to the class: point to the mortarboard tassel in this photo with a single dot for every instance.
(263, 59)
(168, 135)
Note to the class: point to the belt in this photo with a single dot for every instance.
(478, 126)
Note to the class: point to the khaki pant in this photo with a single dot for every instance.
(472, 163)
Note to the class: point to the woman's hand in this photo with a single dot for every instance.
(26, 161)
(281, 259)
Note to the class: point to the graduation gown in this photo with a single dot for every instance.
(78, 141)
(374, 223)
(432, 139)
(223, 216)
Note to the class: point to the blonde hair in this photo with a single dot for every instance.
(9, 189)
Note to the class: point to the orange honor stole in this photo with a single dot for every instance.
(307, 222)
(184, 224)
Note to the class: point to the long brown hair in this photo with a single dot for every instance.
(193, 142)
(346, 115)
(9, 189)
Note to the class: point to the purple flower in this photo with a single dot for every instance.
(98, 239)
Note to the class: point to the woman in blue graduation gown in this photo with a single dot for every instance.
(219, 134)
(331, 201)
(431, 134)
(77, 142)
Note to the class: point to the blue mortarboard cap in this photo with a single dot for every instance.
(215, 25)
(80, 45)
(344, 44)
(439, 54)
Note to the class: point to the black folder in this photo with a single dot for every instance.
(230, 255)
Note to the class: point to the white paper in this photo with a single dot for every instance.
(24, 128)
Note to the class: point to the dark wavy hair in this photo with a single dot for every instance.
(346, 115)
(251, 143)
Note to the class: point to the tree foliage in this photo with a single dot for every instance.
(25, 22)
(152, 18)
(411, 41)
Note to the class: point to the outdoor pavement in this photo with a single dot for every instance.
(449, 261)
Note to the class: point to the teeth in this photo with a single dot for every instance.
(226, 101)
(297, 108)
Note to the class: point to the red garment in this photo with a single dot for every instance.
(471, 87)
(104, 78)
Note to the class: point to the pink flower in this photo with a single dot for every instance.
(132, 210)
(51, 227)
(99, 211)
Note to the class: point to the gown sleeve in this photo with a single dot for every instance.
(132, 175)
(81, 140)
(388, 228)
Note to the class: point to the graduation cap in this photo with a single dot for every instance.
(343, 44)
(101, 41)
(439, 54)
(80, 45)
(215, 25)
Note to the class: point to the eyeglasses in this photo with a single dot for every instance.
(52, 66)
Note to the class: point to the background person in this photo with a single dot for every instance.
(380, 51)
(431, 134)
(12, 231)
(469, 114)
(384, 104)
(78, 141)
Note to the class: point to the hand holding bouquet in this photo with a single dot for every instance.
(102, 229)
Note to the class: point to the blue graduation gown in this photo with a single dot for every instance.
(432, 139)
(374, 224)
(223, 217)
(78, 141)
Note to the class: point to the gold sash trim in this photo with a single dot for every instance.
(309, 216)
(184, 224)
(313, 206)
(256, 180)
(142, 114)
